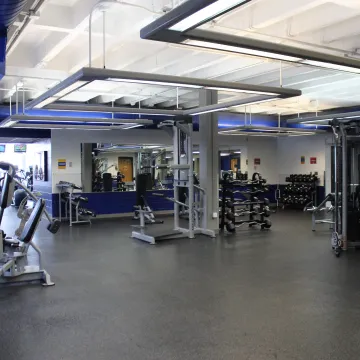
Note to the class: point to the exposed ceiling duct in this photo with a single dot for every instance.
(9, 10)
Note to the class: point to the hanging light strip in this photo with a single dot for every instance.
(181, 26)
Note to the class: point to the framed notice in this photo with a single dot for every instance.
(257, 161)
(313, 160)
(61, 164)
(302, 160)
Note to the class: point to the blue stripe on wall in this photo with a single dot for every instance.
(112, 203)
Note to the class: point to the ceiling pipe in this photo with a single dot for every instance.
(27, 20)
(101, 5)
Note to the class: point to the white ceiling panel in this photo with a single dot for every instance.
(57, 43)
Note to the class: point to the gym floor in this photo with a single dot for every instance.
(256, 295)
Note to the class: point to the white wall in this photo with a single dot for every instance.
(290, 151)
(265, 149)
(279, 156)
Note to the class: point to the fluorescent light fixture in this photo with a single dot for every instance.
(9, 124)
(310, 122)
(71, 88)
(196, 152)
(242, 91)
(168, 157)
(331, 66)
(224, 154)
(256, 102)
(161, 83)
(241, 50)
(46, 102)
(352, 117)
(152, 146)
(214, 10)
(208, 111)
(131, 126)
(237, 152)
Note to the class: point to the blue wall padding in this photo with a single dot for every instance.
(112, 203)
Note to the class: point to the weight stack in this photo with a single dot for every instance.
(143, 183)
(107, 182)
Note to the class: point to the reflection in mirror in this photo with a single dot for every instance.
(115, 167)
(232, 163)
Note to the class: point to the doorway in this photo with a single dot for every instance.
(125, 166)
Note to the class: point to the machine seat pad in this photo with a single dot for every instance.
(30, 226)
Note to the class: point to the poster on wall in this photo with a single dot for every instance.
(41, 166)
(313, 160)
(302, 160)
(61, 164)
(257, 161)
(20, 148)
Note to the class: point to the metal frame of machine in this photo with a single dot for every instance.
(343, 131)
(14, 268)
(181, 132)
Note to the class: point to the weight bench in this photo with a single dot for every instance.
(14, 267)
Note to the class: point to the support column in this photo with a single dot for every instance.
(86, 167)
(209, 159)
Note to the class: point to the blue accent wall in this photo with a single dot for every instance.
(2, 53)
(114, 203)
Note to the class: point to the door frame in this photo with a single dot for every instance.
(132, 164)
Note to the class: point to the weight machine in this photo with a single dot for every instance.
(345, 179)
(181, 132)
(74, 211)
(322, 208)
(14, 267)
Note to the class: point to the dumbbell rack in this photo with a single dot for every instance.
(69, 208)
(254, 208)
(296, 181)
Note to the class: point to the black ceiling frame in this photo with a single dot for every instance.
(159, 30)
(181, 12)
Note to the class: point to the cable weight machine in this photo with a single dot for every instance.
(345, 182)
(181, 133)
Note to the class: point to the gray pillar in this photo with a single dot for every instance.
(209, 159)
(86, 167)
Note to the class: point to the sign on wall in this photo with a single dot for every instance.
(302, 160)
(257, 161)
(313, 160)
(61, 164)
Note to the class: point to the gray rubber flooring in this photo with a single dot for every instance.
(258, 295)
